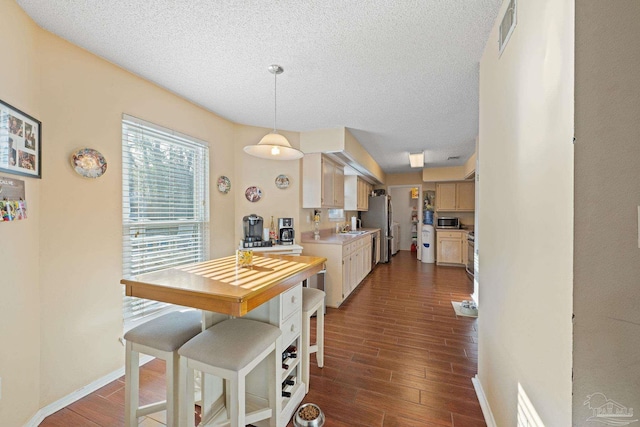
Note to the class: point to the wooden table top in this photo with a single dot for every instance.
(220, 286)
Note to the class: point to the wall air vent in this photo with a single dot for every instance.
(507, 26)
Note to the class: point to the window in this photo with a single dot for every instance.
(165, 209)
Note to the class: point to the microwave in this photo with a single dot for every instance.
(448, 222)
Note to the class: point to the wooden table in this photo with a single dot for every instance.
(266, 291)
(222, 287)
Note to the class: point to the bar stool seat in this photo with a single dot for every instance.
(231, 350)
(160, 338)
(312, 302)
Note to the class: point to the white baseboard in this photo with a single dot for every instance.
(79, 394)
(484, 403)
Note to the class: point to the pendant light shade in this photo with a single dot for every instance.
(273, 145)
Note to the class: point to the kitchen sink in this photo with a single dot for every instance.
(354, 232)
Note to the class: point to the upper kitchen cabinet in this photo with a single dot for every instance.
(322, 182)
(455, 196)
(356, 193)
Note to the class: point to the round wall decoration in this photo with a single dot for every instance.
(282, 182)
(224, 184)
(253, 194)
(88, 163)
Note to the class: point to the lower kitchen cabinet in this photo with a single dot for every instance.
(450, 247)
(347, 265)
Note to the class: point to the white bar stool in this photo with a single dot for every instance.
(312, 302)
(231, 350)
(161, 338)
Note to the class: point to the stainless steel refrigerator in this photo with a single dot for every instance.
(380, 216)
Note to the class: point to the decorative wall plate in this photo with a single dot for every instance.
(253, 194)
(88, 163)
(224, 184)
(282, 182)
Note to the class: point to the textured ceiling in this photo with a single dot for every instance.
(401, 75)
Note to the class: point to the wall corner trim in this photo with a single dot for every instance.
(79, 394)
(484, 403)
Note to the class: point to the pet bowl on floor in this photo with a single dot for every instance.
(308, 415)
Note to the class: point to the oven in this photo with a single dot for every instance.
(470, 254)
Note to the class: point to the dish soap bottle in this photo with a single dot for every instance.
(272, 232)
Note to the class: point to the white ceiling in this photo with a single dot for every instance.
(401, 75)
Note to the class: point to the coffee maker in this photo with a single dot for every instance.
(253, 226)
(285, 231)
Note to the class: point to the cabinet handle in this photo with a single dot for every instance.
(293, 328)
(294, 299)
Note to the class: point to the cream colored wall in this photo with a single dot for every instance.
(525, 136)
(607, 258)
(454, 173)
(413, 178)
(252, 171)
(19, 264)
(82, 100)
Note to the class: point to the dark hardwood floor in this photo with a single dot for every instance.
(395, 355)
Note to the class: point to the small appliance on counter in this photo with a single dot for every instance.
(448, 222)
(286, 233)
(253, 228)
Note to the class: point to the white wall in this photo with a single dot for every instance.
(525, 137)
(607, 196)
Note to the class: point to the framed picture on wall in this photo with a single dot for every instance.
(20, 142)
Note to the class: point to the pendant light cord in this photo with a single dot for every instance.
(275, 99)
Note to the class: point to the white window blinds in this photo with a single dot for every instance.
(165, 209)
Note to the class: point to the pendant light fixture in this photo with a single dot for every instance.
(273, 145)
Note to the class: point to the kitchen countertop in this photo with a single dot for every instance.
(332, 238)
(275, 248)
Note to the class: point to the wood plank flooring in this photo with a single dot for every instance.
(395, 355)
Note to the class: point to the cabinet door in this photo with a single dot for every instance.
(446, 197)
(465, 196)
(328, 172)
(338, 187)
(450, 251)
(465, 249)
(346, 276)
(367, 259)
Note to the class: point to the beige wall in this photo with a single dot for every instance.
(525, 137)
(413, 178)
(60, 290)
(607, 258)
(252, 171)
(82, 101)
(19, 264)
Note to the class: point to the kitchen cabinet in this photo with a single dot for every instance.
(455, 196)
(356, 193)
(348, 263)
(449, 247)
(322, 182)
(465, 248)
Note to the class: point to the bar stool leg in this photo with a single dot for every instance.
(131, 386)
(173, 389)
(320, 336)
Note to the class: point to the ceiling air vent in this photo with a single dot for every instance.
(453, 157)
(507, 25)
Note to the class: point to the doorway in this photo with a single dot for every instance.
(407, 211)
